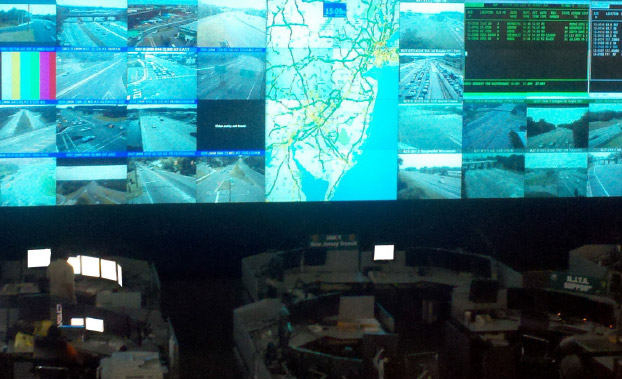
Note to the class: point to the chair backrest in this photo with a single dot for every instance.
(534, 346)
(50, 372)
(47, 350)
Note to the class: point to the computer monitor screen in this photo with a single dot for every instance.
(356, 307)
(484, 291)
(109, 269)
(76, 264)
(39, 257)
(94, 324)
(217, 101)
(384, 252)
(119, 275)
(90, 266)
(79, 321)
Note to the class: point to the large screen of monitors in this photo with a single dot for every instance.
(211, 101)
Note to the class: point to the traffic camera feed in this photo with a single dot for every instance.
(250, 101)
(224, 23)
(28, 129)
(155, 127)
(91, 128)
(24, 23)
(89, 75)
(162, 76)
(161, 180)
(162, 23)
(85, 25)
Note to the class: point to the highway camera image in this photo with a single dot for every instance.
(429, 176)
(493, 175)
(236, 179)
(27, 24)
(27, 129)
(605, 124)
(90, 181)
(161, 180)
(431, 26)
(162, 23)
(556, 175)
(494, 126)
(430, 127)
(431, 77)
(162, 128)
(604, 174)
(162, 76)
(91, 128)
(232, 76)
(91, 75)
(557, 127)
(225, 23)
(87, 25)
(27, 182)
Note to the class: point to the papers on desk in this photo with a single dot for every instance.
(135, 364)
(363, 325)
(104, 346)
(370, 325)
(19, 288)
(496, 339)
(118, 300)
(594, 344)
(24, 343)
(352, 329)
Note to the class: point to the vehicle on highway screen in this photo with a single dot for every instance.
(212, 101)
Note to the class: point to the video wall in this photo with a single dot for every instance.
(212, 101)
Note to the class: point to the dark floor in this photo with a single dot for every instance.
(203, 321)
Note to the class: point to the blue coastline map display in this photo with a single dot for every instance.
(328, 86)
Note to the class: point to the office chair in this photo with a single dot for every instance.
(50, 372)
(50, 357)
(536, 358)
(571, 367)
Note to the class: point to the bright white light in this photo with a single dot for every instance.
(90, 266)
(94, 324)
(77, 321)
(109, 269)
(39, 257)
(384, 252)
(75, 263)
(119, 275)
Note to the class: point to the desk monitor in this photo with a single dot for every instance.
(484, 291)
(356, 307)
(384, 252)
(34, 307)
(94, 324)
(90, 266)
(79, 321)
(39, 257)
(315, 257)
(316, 309)
(109, 269)
(119, 275)
(75, 263)
(292, 259)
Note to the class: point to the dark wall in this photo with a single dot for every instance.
(194, 240)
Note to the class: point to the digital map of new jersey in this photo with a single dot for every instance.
(331, 100)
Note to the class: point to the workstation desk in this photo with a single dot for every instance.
(126, 319)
